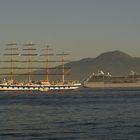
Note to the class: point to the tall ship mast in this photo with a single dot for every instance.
(29, 54)
(63, 65)
(12, 51)
(47, 55)
(27, 64)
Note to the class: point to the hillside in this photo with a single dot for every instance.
(116, 62)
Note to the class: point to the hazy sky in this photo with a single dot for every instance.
(85, 28)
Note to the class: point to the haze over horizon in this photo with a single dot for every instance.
(85, 28)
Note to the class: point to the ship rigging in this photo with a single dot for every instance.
(28, 65)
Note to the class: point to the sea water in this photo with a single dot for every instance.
(83, 114)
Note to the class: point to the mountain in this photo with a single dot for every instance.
(116, 62)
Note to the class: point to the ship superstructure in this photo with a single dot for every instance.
(28, 65)
(102, 80)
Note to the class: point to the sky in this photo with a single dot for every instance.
(83, 28)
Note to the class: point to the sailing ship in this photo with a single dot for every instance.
(45, 84)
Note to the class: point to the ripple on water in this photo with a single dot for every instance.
(84, 114)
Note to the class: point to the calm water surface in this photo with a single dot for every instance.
(76, 115)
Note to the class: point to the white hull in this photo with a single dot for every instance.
(38, 87)
(102, 85)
